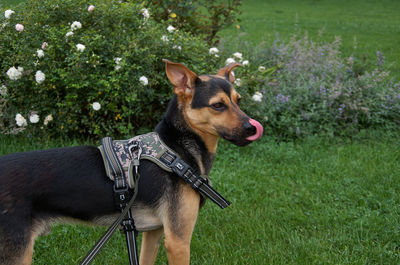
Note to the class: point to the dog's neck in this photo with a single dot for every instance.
(175, 132)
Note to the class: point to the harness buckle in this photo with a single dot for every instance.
(121, 196)
(128, 225)
(168, 158)
(179, 167)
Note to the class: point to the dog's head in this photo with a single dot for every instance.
(211, 105)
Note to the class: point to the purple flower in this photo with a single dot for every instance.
(281, 98)
(381, 59)
(341, 109)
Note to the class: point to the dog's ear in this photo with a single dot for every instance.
(226, 72)
(181, 77)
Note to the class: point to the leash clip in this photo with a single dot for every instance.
(136, 161)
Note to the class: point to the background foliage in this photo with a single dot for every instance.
(200, 17)
(75, 80)
(309, 88)
(306, 85)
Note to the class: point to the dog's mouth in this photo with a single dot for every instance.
(259, 130)
(244, 137)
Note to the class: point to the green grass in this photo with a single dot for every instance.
(313, 202)
(10, 3)
(367, 25)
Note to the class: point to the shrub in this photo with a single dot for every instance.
(90, 72)
(200, 17)
(304, 88)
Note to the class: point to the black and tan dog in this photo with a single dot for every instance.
(41, 187)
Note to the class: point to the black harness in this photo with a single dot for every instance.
(122, 160)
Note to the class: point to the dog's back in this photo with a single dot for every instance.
(32, 185)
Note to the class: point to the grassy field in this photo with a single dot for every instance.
(313, 202)
(364, 26)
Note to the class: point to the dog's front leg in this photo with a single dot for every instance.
(179, 226)
(150, 243)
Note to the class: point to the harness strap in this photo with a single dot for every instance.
(198, 183)
(123, 200)
(118, 172)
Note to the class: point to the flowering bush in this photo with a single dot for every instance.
(200, 17)
(79, 69)
(301, 88)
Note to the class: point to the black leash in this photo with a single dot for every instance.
(104, 239)
(122, 201)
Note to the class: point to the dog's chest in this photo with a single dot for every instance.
(146, 219)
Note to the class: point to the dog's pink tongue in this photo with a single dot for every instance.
(259, 130)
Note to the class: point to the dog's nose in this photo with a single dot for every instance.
(249, 129)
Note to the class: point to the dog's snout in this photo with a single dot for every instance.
(249, 129)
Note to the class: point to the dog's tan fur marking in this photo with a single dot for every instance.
(150, 244)
(226, 71)
(27, 257)
(178, 245)
(205, 121)
(204, 78)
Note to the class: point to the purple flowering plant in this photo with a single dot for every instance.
(315, 90)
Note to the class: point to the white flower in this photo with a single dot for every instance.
(80, 47)
(245, 62)
(48, 119)
(177, 47)
(164, 38)
(20, 120)
(19, 27)
(237, 55)
(257, 96)
(170, 28)
(40, 53)
(261, 68)
(117, 60)
(8, 13)
(76, 25)
(237, 81)
(144, 80)
(3, 90)
(34, 118)
(70, 33)
(20, 69)
(90, 8)
(229, 60)
(44, 45)
(145, 13)
(213, 50)
(14, 73)
(40, 77)
(96, 106)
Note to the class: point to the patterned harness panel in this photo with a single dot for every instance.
(152, 149)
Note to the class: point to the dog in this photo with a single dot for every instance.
(38, 188)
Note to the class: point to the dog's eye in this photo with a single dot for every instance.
(238, 101)
(218, 106)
